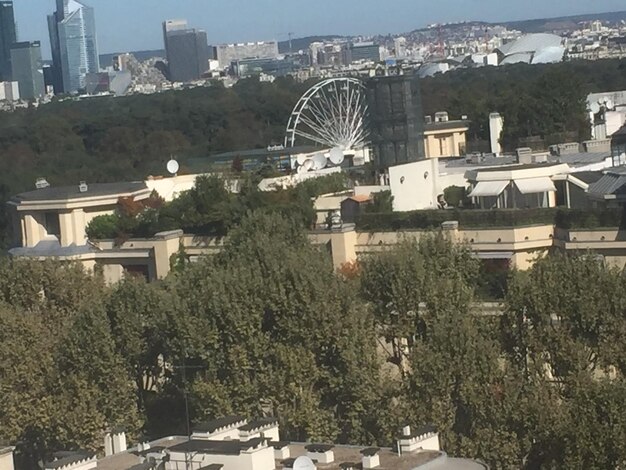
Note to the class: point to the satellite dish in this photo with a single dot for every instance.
(172, 166)
(319, 161)
(307, 165)
(594, 108)
(609, 104)
(336, 156)
(301, 158)
(303, 463)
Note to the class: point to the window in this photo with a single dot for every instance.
(52, 225)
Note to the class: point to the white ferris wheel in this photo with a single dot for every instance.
(332, 114)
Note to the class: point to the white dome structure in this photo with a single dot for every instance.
(539, 48)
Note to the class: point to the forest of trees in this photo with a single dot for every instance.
(267, 326)
(111, 139)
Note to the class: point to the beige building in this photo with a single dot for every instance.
(444, 138)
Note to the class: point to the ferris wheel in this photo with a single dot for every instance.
(331, 113)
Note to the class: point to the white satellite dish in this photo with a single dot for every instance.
(307, 165)
(609, 104)
(319, 161)
(594, 108)
(303, 463)
(301, 158)
(336, 156)
(172, 166)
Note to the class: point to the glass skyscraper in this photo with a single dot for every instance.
(74, 46)
(28, 69)
(7, 38)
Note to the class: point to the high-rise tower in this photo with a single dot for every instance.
(28, 69)
(7, 38)
(74, 45)
(396, 118)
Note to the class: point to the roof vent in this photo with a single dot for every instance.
(42, 183)
(82, 187)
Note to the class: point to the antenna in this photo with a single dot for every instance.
(303, 463)
(172, 166)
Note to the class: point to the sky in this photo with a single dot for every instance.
(131, 25)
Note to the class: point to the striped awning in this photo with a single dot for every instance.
(488, 188)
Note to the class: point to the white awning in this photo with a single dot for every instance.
(488, 188)
(535, 185)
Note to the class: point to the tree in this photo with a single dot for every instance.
(283, 331)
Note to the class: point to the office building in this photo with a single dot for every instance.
(9, 91)
(170, 26)
(229, 53)
(28, 69)
(7, 38)
(74, 45)
(187, 54)
(366, 51)
(396, 118)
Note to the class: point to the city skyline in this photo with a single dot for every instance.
(275, 19)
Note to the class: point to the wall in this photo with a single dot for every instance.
(6, 459)
(444, 144)
(415, 186)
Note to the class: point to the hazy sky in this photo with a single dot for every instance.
(125, 25)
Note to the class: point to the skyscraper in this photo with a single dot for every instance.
(396, 118)
(188, 55)
(7, 38)
(187, 51)
(74, 45)
(28, 69)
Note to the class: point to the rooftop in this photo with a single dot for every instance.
(446, 125)
(515, 167)
(64, 193)
(203, 446)
(215, 424)
(389, 460)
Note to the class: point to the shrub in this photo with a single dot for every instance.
(103, 227)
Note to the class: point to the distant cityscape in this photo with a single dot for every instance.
(78, 71)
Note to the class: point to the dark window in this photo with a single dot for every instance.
(52, 224)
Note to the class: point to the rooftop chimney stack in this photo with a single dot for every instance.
(371, 459)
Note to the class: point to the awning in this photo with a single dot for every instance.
(535, 185)
(488, 188)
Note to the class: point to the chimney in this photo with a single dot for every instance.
(323, 453)
(370, 459)
(108, 444)
(441, 116)
(119, 441)
(524, 155)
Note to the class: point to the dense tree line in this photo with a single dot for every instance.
(267, 327)
(545, 101)
(111, 139)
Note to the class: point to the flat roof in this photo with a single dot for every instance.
(446, 125)
(525, 166)
(63, 193)
(203, 446)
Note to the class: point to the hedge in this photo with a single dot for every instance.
(494, 218)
